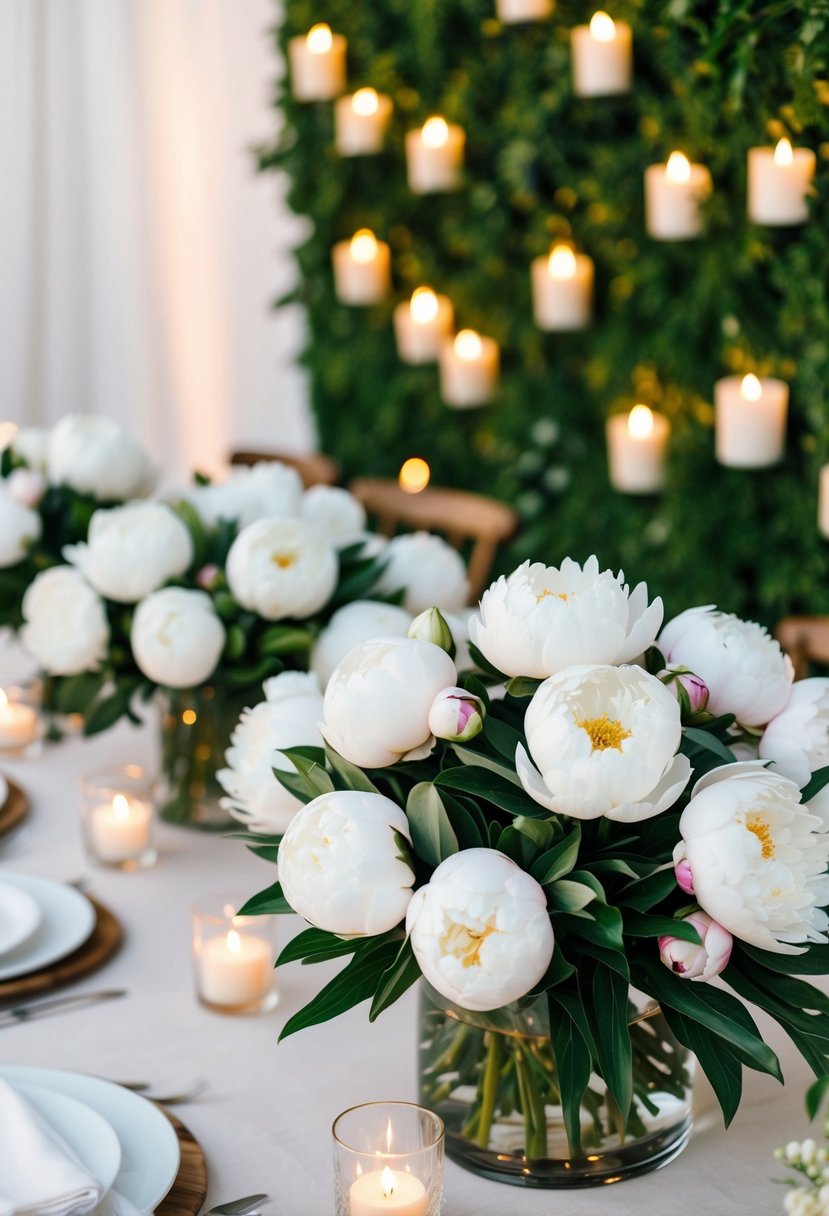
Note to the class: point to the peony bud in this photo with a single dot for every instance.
(430, 626)
(207, 576)
(684, 877)
(693, 961)
(689, 689)
(456, 715)
(26, 487)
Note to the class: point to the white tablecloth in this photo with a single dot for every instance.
(265, 1122)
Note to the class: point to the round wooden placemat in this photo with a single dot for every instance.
(15, 809)
(189, 1191)
(98, 949)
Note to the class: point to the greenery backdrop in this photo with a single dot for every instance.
(671, 318)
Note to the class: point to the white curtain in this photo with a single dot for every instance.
(139, 251)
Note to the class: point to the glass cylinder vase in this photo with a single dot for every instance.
(196, 724)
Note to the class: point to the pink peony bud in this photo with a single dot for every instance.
(456, 715)
(689, 689)
(25, 486)
(207, 576)
(684, 877)
(694, 961)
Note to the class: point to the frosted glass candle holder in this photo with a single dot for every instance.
(118, 817)
(21, 721)
(388, 1159)
(233, 956)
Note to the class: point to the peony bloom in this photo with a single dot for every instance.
(336, 513)
(343, 863)
(66, 628)
(541, 619)
(26, 486)
(177, 638)
(757, 856)
(431, 572)
(746, 671)
(132, 550)
(480, 930)
(604, 740)
(797, 739)
(456, 715)
(357, 622)
(288, 717)
(20, 527)
(266, 488)
(698, 962)
(282, 568)
(377, 702)
(31, 443)
(92, 455)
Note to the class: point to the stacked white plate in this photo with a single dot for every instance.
(40, 923)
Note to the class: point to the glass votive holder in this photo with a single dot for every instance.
(118, 817)
(233, 956)
(388, 1158)
(21, 721)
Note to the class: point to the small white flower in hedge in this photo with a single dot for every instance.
(268, 488)
(343, 863)
(94, 456)
(757, 857)
(20, 527)
(132, 550)
(746, 671)
(31, 443)
(797, 739)
(430, 571)
(604, 742)
(335, 512)
(177, 638)
(540, 619)
(431, 626)
(456, 715)
(377, 702)
(357, 622)
(26, 486)
(689, 689)
(66, 628)
(282, 568)
(288, 717)
(480, 930)
(694, 961)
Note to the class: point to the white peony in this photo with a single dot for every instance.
(282, 568)
(177, 638)
(26, 486)
(288, 717)
(430, 571)
(746, 671)
(540, 619)
(604, 741)
(757, 857)
(343, 866)
(480, 930)
(377, 702)
(31, 443)
(94, 456)
(20, 527)
(335, 512)
(132, 550)
(248, 494)
(359, 621)
(66, 628)
(797, 739)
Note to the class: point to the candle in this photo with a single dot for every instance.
(779, 184)
(636, 445)
(317, 64)
(823, 502)
(235, 969)
(18, 723)
(434, 156)
(388, 1191)
(468, 370)
(414, 475)
(602, 57)
(361, 121)
(673, 193)
(421, 324)
(120, 830)
(362, 269)
(562, 285)
(513, 11)
(750, 421)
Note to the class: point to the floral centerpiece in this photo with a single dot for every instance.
(567, 857)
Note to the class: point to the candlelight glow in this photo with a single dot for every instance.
(435, 132)
(678, 168)
(414, 475)
(388, 1182)
(750, 388)
(365, 102)
(602, 27)
(189, 716)
(364, 246)
(4, 700)
(468, 345)
(640, 422)
(319, 39)
(234, 942)
(783, 154)
(424, 305)
(8, 432)
(388, 1137)
(120, 808)
(562, 262)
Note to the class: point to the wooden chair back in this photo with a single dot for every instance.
(315, 469)
(805, 640)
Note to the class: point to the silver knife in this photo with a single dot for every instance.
(239, 1207)
(59, 1004)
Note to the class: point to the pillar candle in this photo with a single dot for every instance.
(602, 57)
(636, 447)
(512, 11)
(18, 723)
(379, 1191)
(673, 193)
(469, 368)
(779, 184)
(362, 269)
(421, 324)
(434, 156)
(235, 969)
(750, 421)
(317, 64)
(562, 285)
(360, 122)
(823, 502)
(120, 830)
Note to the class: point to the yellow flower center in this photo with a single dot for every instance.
(559, 595)
(283, 560)
(465, 943)
(762, 831)
(605, 732)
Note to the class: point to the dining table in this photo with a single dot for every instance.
(264, 1121)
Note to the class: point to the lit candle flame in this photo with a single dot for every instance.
(424, 305)
(120, 808)
(364, 246)
(562, 262)
(387, 1182)
(468, 345)
(640, 422)
(8, 434)
(678, 168)
(319, 39)
(365, 102)
(602, 27)
(783, 154)
(750, 388)
(4, 700)
(414, 475)
(234, 942)
(388, 1137)
(435, 132)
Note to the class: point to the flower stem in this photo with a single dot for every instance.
(489, 1092)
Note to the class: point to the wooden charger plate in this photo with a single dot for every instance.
(98, 949)
(189, 1191)
(15, 809)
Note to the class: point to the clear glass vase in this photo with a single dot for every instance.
(492, 1079)
(196, 724)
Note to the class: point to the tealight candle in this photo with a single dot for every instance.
(602, 57)
(421, 324)
(317, 62)
(673, 193)
(19, 725)
(388, 1191)
(510, 12)
(360, 122)
(750, 423)
(434, 156)
(469, 368)
(823, 502)
(362, 269)
(233, 957)
(120, 830)
(779, 184)
(636, 447)
(562, 285)
(388, 1158)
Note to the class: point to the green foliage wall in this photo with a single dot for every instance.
(711, 79)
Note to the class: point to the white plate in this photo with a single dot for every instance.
(88, 1135)
(150, 1155)
(67, 919)
(19, 917)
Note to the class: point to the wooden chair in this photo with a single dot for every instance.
(460, 516)
(314, 469)
(805, 640)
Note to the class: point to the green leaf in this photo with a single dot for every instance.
(567, 896)
(646, 892)
(484, 664)
(315, 946)
(604, 928)
(284, 639)
(503, 737)
(355, 983)
(709, 742)
(523, 686)
(815, 1096)
(722, 1068)
(491, 788)
(270, 902)
(432, 836)
(818, 780)
(475, 759)
(311, 778)
(467, 822)
(400, 976)
(539, 831)
(637, 924)
(573, 1067)
(105, 713)
(352, 777)
(611, 1034)
(559, 860)
(75, 694)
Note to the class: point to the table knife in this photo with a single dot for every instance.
(59, 1004)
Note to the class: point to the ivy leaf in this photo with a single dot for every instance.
(432, 836)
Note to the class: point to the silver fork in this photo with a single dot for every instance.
(249, 1206)
(189, 1094)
